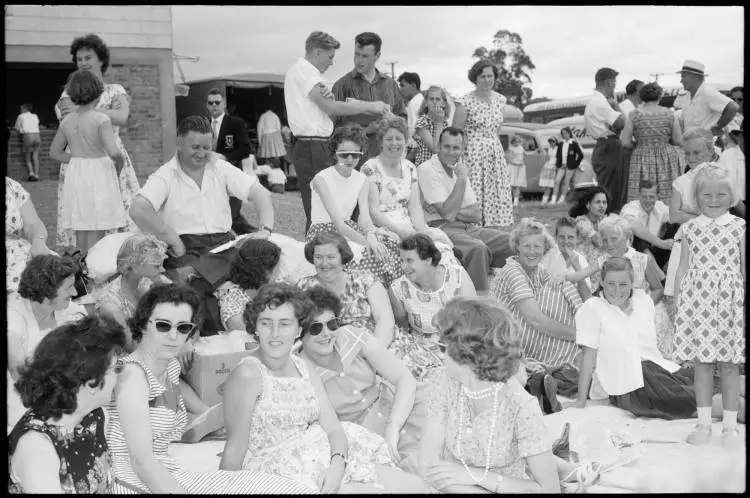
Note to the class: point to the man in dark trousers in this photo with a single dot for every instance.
(231, 141)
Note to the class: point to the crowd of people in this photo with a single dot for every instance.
(435, 332)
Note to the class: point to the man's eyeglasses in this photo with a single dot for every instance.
(350, 155)
(317, 327)
(165, 326)
(214, 102)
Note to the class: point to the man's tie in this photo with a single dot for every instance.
(215, 126)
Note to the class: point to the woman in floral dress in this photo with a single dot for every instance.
(92, 54)
(278, 416)
(480, 114)
(652, 126)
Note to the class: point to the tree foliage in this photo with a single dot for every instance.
(514, 65)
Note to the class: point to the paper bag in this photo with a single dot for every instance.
(208, 373)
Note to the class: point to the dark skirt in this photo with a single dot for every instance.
(664, 395)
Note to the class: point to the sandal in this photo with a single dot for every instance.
(585, 475)
(561, 447)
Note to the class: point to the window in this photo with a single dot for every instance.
(504, 141)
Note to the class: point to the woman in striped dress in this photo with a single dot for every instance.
(148, 410)
(545, 309)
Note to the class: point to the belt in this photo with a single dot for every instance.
(317, 139)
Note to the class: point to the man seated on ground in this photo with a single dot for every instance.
(649, 219)
(185, 203)
(451, 205)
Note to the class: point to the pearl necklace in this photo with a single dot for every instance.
(477, 395)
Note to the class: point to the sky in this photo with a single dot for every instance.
(567, 44)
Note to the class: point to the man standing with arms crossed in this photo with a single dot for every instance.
(309, 107)
(604, 122)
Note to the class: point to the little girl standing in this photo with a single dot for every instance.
(517, 168)
(91, 197)
(549, 173)
(710, 293)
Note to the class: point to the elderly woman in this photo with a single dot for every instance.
(484, 432)
(279, 418)
(41, 304)
(255, 263)
(58, 446)
(364, 298)
(431, 122)
(25, 234)
(139, 265)
(148, 410)
(428, 283)
(92, 54)
(351, 364)
(480, 114)
(544, 308)
(621, 360)
(336, 191)
(589, 209)
(649, 130)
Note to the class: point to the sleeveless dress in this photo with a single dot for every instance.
(168, 418)
(394, 193)
(17, 248)
(485, 159)
(85, 465)
(346, 192)
(287, 440)
(653, 157)
(709, 326)
(128, 180)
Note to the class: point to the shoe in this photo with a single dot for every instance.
(700, 435)
(545, 200)
(31, 178)
(549, 387)
(561, 446)
(730, 436)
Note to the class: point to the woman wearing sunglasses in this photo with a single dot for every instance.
(350, 363)
(148, 410)
(58, 446)
(279, 418)
(336, 192)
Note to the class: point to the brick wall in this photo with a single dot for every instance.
(141, 137)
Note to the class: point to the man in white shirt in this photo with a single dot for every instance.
(409, 84)
(451, 205)
(632, 98)
(604, 121)
(27, 125)
(707, 109)
(309, 107)
(648, 217)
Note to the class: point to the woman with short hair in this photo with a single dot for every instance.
(58, 446)
(433, 118)
(592, 205)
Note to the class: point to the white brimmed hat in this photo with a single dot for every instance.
(694, 67)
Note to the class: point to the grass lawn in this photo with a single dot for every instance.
(290, 218)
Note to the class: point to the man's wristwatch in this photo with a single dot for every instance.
(267, 229)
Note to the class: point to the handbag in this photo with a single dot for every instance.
(83, 283)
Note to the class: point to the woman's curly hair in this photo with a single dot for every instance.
(253, 263)
(587, 195)
(481, 333)
(159, 294)
(391, 122)
(91, 42)
(479, 66)
(67, 358)
(43, 276)
(351, 132)
(526, 227)
(425, 247)
(274, 295)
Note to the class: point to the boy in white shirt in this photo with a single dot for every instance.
(276, 179)
(27, 125)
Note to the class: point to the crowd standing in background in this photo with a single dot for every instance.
(432, 332)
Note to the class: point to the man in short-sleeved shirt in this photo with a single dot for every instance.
(706, 108)
(604, 121)
(451, 205)
(648, 217)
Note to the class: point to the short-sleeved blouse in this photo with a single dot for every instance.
(519, 433)
(356, 309)
(394, 193)
(85, 466)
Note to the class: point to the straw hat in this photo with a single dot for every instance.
(694, 67)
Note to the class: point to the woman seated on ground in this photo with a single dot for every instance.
(589, 209)
(140, 264)
(279, 418)
(484, 432)
(350, 363)
(364, 298)
(41, 304)
(428, 283)
(545, 310)
(25, 234)
(336, 192)
(148, 411)
(58, 446)
(621, 360)
(254, 264)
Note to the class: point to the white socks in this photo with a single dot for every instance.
(730, 419)
(704, 416)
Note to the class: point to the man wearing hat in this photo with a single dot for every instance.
(707, 108)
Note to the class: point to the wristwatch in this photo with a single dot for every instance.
(266, 228)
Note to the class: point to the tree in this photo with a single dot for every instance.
(513, 64)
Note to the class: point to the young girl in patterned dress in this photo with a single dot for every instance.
(710, 284)
(517, 168)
